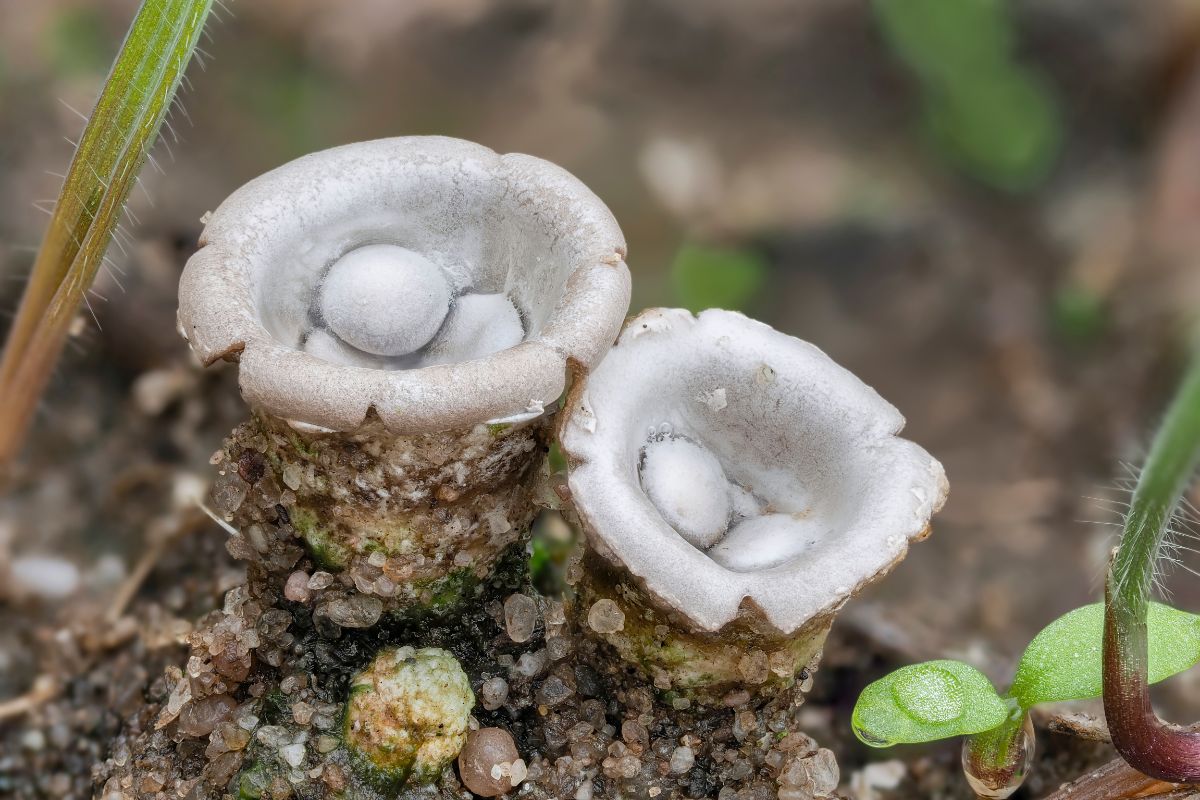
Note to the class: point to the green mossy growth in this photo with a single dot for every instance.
(449, 592)
(299, 445)
(253, 781)
(325, 550)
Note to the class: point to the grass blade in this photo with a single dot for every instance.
(114, 147)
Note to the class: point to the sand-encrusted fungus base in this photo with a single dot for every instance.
(389, 522)
(584, 726)
(744, 657)
(259, 709)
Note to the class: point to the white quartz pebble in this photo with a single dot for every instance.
(688, 487)
(385, 299)
(479, 325)
(45, 576)
(764, 542)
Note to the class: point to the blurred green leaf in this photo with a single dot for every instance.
(1002, 127)
(79, 44)
(941, 38)
(539, 557)
(988, 115)
(712, 277)
(550, 546)
(1063, 662)
(1078, 316)
(556, 459)
(294, 102)
(926, 702)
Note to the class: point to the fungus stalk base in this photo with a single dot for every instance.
(410, 520)
(285, 685)
(744, 655)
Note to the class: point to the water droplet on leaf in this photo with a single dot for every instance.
(997, 766)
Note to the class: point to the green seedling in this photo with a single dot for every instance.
(942, 699)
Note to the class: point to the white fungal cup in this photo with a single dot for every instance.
(430, 279)
(726, 468)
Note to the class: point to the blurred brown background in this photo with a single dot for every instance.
(989, 211)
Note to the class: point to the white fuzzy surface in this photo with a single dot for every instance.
(688, 487)
(479, 325)
(385, 300)
(745, 504)
(327, 347)
(767, 541)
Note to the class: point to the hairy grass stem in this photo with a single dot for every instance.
(114, 146)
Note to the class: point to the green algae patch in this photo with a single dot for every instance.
(322, 545)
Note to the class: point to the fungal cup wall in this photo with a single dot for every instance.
(828, 495)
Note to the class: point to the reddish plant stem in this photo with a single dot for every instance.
(1157, 749)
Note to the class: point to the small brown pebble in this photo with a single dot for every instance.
(754, 667)
(334, 778)
(200, 717)
(486, 749)
(520, 617)
(796, 741)
(635, 735)
(296, 589)
(250, 466)
(782, 663)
